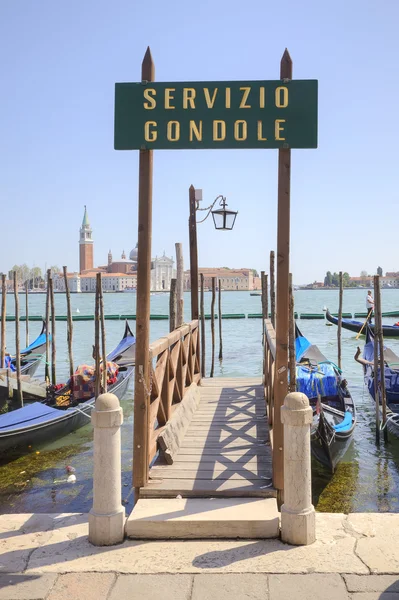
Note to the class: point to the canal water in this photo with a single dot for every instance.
(366, 480)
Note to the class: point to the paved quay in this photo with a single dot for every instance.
(355, 557)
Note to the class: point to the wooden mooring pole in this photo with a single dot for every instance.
(376, 360)
(283, 256)
(213, 325)
(17, 344)
(202, 328)
(47, 366)
(142, 371)
(220, 319)
(179, 285)
(378, 316)
(272, 291)
(262, 285)
(103, 340)
(69, 322)
(3, 320)
(27, 313)
(53, 346)
(97, 337)
(172, 304)
(339, 331)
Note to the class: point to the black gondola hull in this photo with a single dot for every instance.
(329, 455)
(69, 420)
(357, 326)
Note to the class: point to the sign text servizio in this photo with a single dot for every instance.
(236, 114)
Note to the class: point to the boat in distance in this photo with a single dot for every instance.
(41, 422)
(334, 411)
(356, 326)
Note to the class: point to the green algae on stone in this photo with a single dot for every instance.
(339, 494)
(15, 474)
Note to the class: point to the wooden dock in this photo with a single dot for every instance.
(226, 449)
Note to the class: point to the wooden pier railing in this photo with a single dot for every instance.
(269, 336)
(174, 366)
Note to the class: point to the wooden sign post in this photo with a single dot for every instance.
(283, 268)
(141, 378)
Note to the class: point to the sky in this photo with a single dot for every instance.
(60, 61)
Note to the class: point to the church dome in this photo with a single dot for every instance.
(133, 254)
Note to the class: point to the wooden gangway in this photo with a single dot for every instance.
(225, 451)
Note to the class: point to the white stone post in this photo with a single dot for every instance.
(298, 525)
(107, 517)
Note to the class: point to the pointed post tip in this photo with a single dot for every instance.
(147, 66)
(286, 65)
(286, 56)
(192, 187)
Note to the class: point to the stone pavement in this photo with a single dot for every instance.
(355, 557)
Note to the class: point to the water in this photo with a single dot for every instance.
(366, 480)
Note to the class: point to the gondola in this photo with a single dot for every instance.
(334, 412)
(356, 326)
(41, 422)
(391, 361)
(32, 355)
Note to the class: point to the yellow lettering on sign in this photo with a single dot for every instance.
(245, 95)
(219, 131)
(281, 95)
(228, 98)
(173, 131)
(149, 134)
(189, 97)
(278, 129)
(262, 100)
(240, 131)
(196, 131)
(260, 132)
(210, 101)
(148, 95)
(168, 97)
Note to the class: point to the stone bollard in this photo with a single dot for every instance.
(298, 525)
(107, 517)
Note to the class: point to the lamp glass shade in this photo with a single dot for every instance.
(224, 219)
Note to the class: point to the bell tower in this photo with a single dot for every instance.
(85, 245)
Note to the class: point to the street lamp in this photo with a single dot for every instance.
(223, 218)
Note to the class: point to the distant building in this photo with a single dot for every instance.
(230, 279)
(116, 275)
(112, 282)
(73, 282)
(389, 281)
(85, 245)
(162, 272)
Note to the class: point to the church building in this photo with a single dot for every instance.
(118, 274)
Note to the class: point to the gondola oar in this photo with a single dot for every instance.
(364, 324)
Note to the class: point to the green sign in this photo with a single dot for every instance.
(235, 114)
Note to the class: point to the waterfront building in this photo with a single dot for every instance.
(111, 282)
(73, 282)
(118, 274)
(162, 272)
(230, 279)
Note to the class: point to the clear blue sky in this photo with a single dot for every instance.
(60, 61)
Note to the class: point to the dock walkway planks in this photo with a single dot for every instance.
(226, 449)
